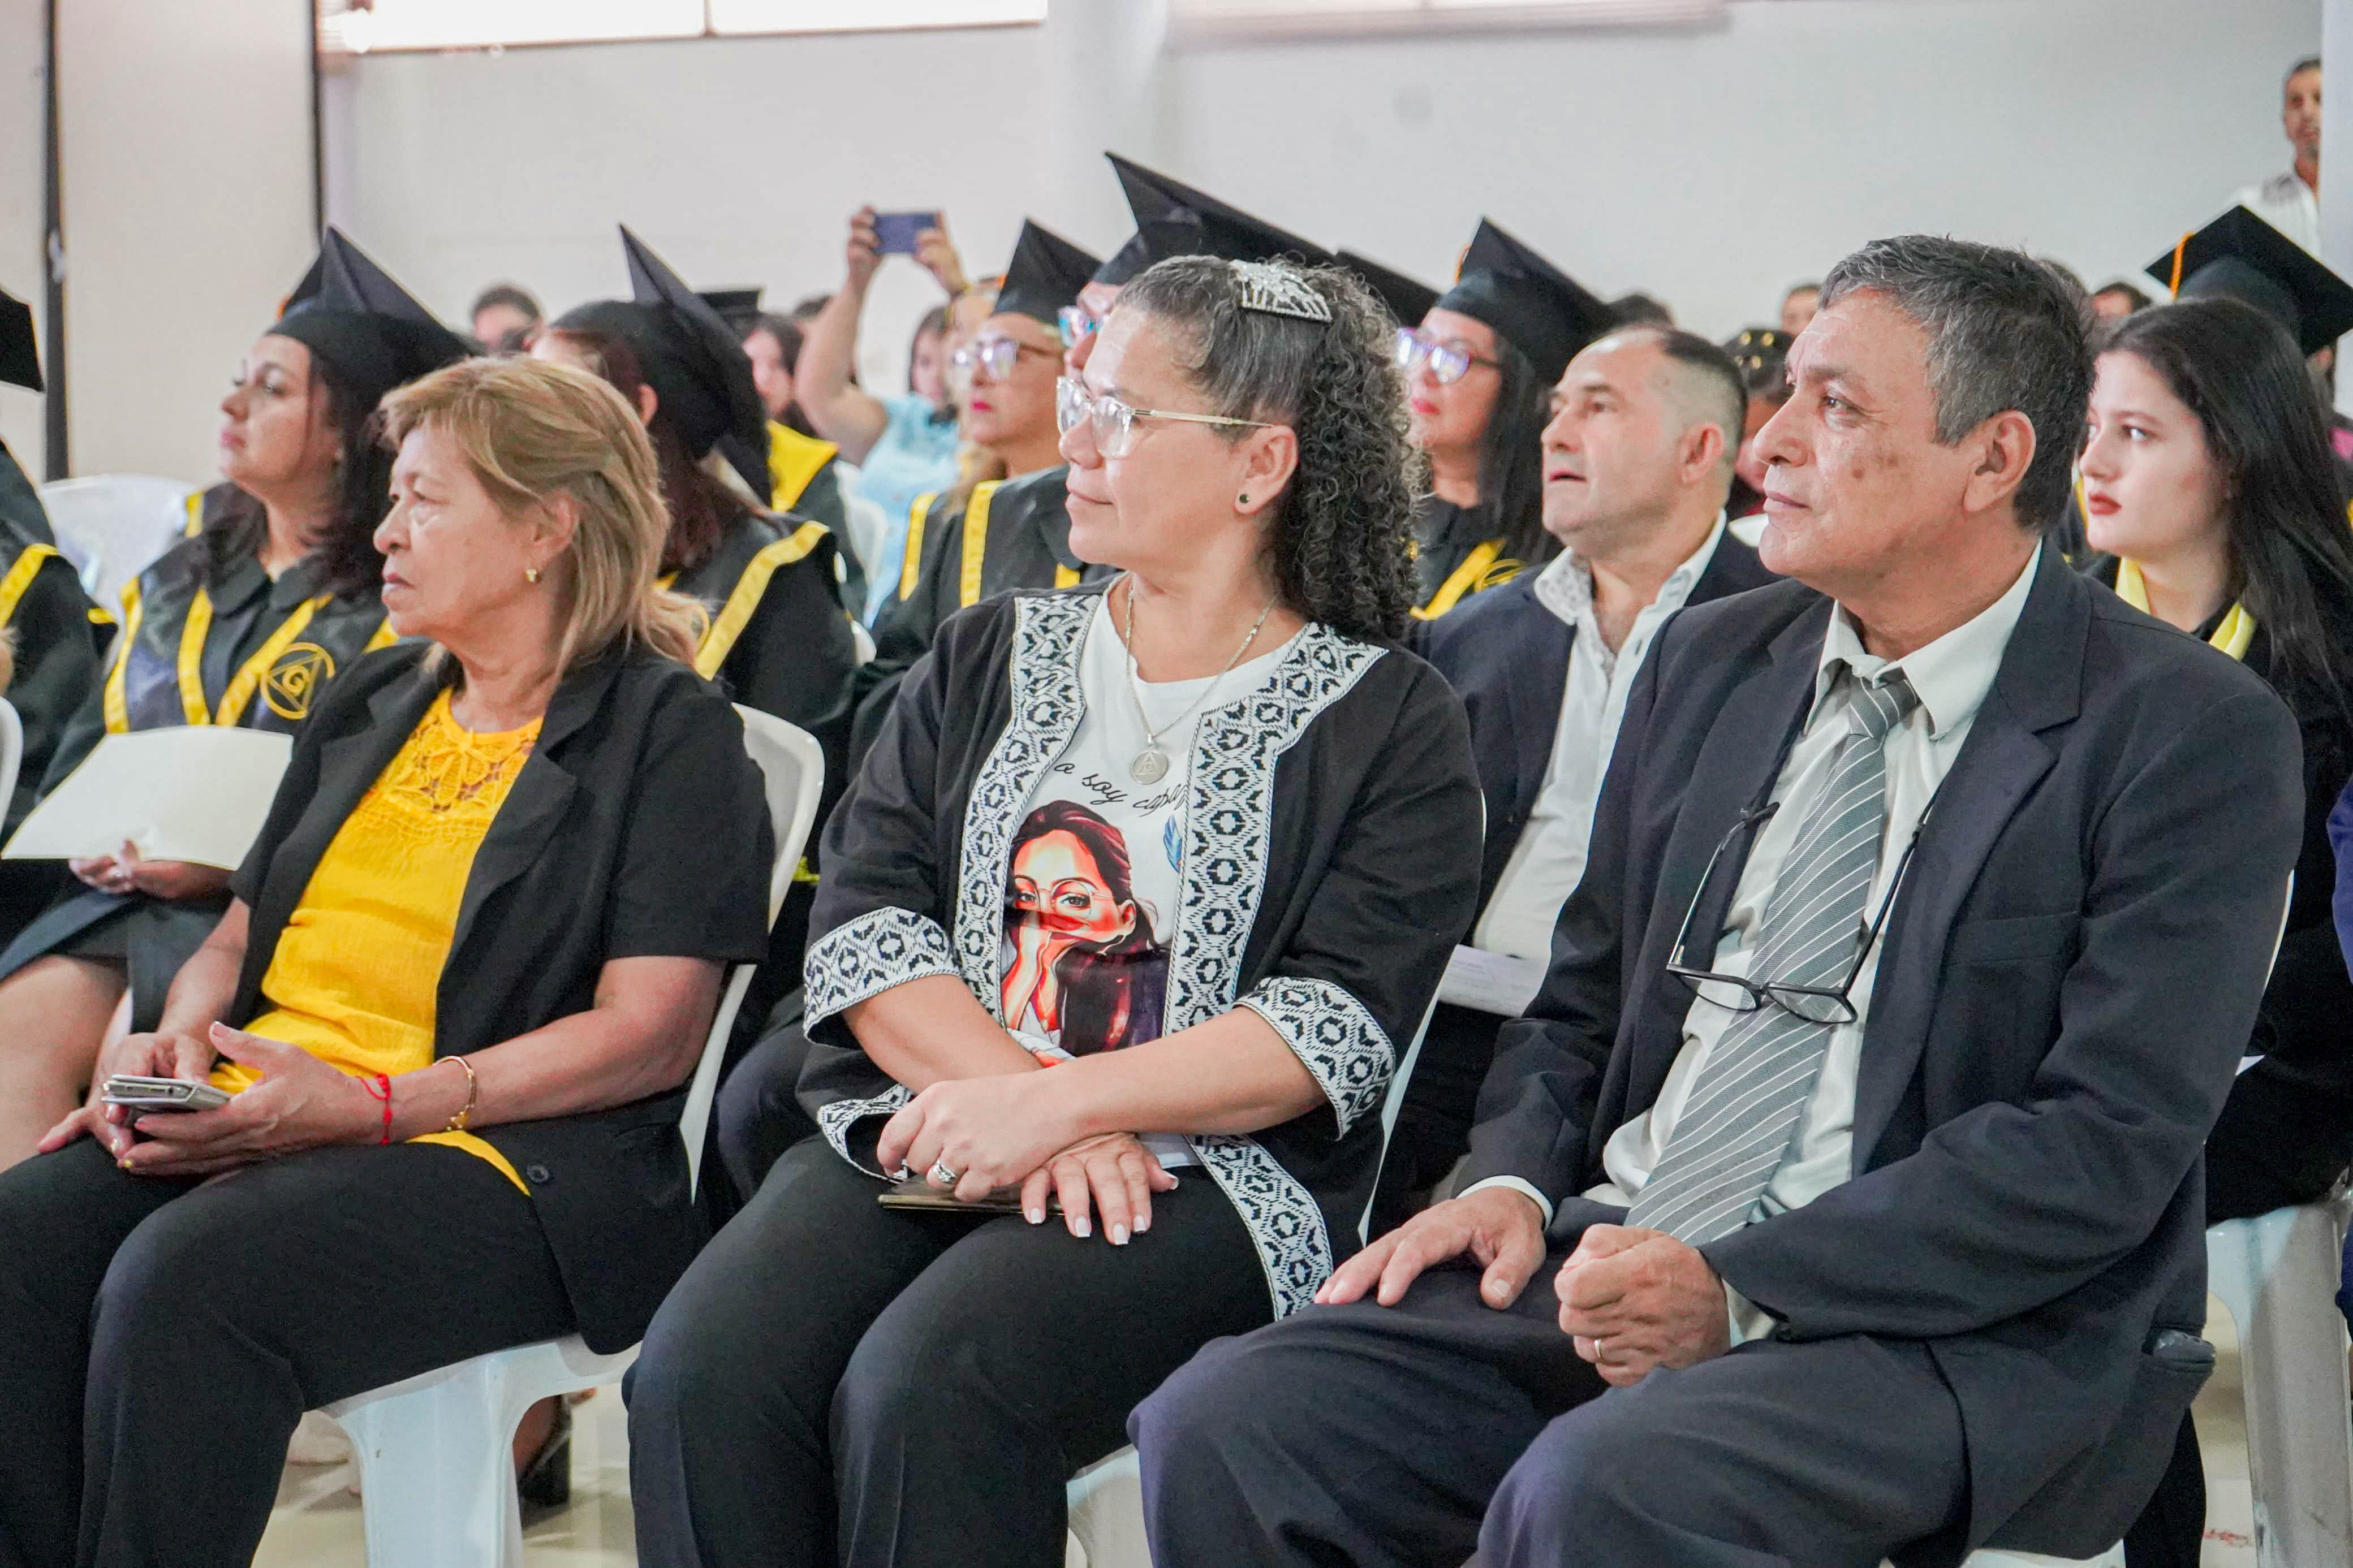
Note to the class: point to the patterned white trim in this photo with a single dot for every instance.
(880, 949)
(836, 1119)
(1047, 706)
(1333, 1037)
(1293, 1249)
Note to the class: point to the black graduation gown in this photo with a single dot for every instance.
(20, 503)
(820, 501)
(779, 642)
(43, 610)
(1457, 551)
(268, 650)
(1011, 534)
(1330, 864)
(2287, 1128)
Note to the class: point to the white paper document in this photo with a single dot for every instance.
(1491, 982)
(198, 793)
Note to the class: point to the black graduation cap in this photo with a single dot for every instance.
(739, 308)
(20, 358)
(1172, 218)
(2241, 256)
(1538, 309)
(370, 331)
(691, 357)
(1046, 273)
(1409, 298)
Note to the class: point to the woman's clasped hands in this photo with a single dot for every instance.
(300, 1103)
(999, 1131)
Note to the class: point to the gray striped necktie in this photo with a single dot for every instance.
(1742, 1116)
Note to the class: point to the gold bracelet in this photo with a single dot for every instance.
(457, 1122)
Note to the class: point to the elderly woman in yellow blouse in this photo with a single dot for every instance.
(467, 970)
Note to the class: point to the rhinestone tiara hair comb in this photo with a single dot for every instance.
(1277, 290)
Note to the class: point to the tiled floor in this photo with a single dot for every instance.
(318, 1521)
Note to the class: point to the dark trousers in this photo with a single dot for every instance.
(164, 1337)
(1404, 1437)
(758, 1115)
(2261, 1157)
(834, 1380)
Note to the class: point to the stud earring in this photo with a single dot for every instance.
(1242, 500)
(530, 574)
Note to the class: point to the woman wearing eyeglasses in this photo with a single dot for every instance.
(1227, 746)
(1480, 370)
(978, 537)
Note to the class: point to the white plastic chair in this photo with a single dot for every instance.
(435, 1451)
(2277, 1274)
(12, 752)
(862, 640)
(111, 526)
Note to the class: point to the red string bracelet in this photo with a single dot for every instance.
(381, 1089)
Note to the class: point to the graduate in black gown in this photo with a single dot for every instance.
(779, 639)
(46, 625)
(246, 623)
(1480, 367)
(803, 469)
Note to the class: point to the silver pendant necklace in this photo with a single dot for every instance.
(1151, 764)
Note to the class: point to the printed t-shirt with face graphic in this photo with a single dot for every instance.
(1096, 870)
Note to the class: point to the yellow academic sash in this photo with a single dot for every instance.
(736, 614)
(911, 564)
(975, 543)
(252, 676)
(2238, 628)
(794, 459)
(20, 578)
(1485, 567)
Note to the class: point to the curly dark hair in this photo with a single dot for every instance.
(1339, 535)
(350, 565)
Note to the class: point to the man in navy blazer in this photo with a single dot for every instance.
(1637, 460)
(1840, 1198)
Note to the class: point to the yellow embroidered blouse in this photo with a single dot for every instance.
(356, 974)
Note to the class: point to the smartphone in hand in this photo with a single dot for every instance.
(894, 233)
(146, 1094)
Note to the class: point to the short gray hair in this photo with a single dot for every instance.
(2005, 332)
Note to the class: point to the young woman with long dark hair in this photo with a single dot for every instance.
(2208, 486)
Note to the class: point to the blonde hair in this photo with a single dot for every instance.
(531, 430)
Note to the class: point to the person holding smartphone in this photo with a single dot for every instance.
(906, 445)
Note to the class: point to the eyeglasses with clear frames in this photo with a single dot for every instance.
(1449, 362)
(1078, 324)
(997, 356)
(1739, 994)
(1114, 422)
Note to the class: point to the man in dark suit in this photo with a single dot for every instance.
(1637, 462)
(1840, 1196)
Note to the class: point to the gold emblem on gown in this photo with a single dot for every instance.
(295, 678)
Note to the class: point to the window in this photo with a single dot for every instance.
(368, 26)
(1227, 21)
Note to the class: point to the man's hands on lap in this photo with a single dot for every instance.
(1631, 1301)
(1499, 1229)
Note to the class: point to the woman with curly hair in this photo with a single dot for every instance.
(1293, 793)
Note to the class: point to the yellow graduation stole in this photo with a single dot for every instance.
(20, 578)
(288, 691)
(794, 459)
(1485, 567)
(720, 637)
(2238, 628)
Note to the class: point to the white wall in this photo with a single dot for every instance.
(187, 132)
(1709, 166)
(20, 205)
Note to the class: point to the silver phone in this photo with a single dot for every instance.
(133, 1092)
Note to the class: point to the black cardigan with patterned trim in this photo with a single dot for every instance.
(1331, 864)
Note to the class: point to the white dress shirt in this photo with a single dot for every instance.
(2287, 204)
(1951, 676)
(1549, 859)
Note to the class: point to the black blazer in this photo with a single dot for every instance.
(2069, 977)
(1507, 657)
(1330, 829)
(639, 827)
